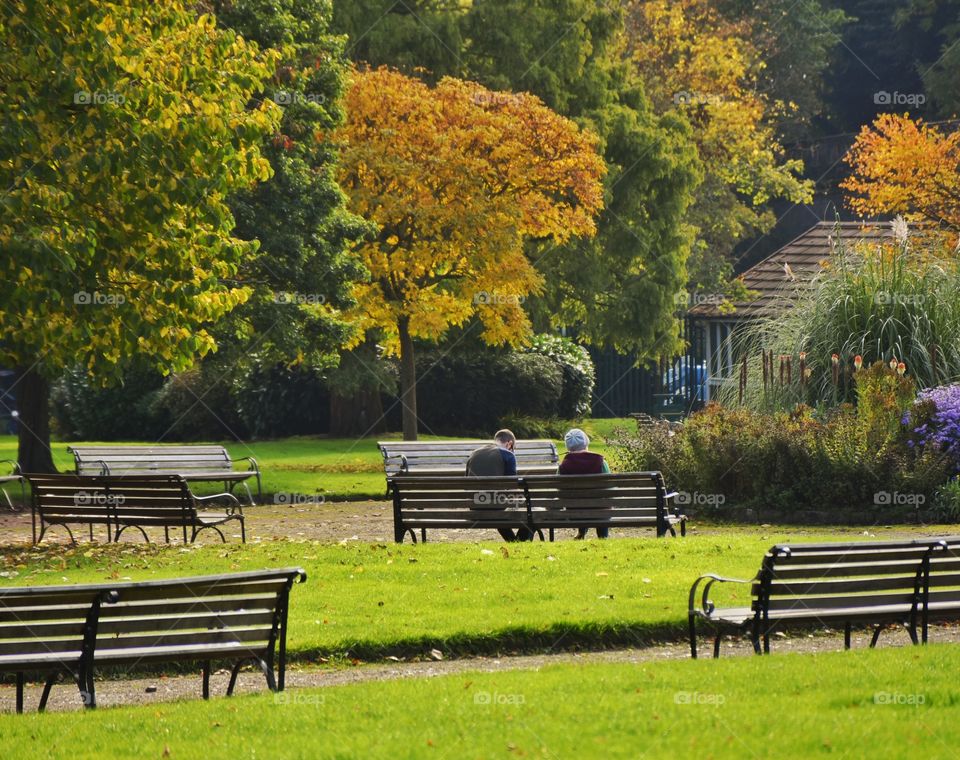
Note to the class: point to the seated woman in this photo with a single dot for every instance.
(579, 461)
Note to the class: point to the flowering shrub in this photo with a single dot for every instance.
(935, 421)
(845, 458)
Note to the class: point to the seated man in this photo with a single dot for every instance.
(579, 461)
(497, 459)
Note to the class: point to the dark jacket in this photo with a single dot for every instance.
(492, 460)
(582, 463)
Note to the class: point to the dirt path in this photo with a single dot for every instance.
(154, 690)
(372, 521)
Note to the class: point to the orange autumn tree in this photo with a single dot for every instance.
(902, 166)
(456, 178)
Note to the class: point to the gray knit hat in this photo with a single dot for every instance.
(576, 440)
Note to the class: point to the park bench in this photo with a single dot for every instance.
(609, 500)
(57, 631)
(15, 476)
(128, 501)
(450, 457)
(880, 583)
(194, 463)
(535, 502)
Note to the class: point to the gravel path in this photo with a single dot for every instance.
(157, 689)
(372, 521)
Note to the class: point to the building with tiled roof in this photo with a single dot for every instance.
(775, 280)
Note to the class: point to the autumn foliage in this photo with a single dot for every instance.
(457, 178)
(902, 166)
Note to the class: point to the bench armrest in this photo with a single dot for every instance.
(233, 506)
(253, 466)
(707, 606)
(15, 469)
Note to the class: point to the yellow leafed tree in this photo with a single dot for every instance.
(456, 178)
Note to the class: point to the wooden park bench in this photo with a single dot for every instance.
(534, 502)
(610, 500)
(58, 631)
(880, 583)
(450, 457)
(194, 463)
(128, 501)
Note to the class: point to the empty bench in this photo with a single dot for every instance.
(910, 583)
(535, 502)
(450, 457)
(194, 463)
(70, 631)
(121, 502)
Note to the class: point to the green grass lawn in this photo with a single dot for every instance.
(369, 601)
(340, 468)
(892, 703)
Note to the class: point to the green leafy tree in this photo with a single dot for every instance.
(123, 129)
(616, 289)
(299, 276)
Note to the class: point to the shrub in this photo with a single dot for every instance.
(80, 409)
(934, 421)
(470, 393)
(524, 426)
(198, 404)
(579, 374)
(278, 401)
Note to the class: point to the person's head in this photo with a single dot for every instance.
(505, 439)
(576, 440)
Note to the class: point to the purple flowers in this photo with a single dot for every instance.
(938, 420)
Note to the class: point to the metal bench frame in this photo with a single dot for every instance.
(924, 564)
(112, 514)
(531, 515)
(144, 460)
(534, 456)
(269, 658)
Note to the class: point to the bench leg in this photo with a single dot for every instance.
(716, 645)
(876, 635)
(268, 673)
(166, 534)
(692, 627)
(47, 686)
(913, 634)
(423, 535)
(243, 530)
(846, 636)
(233, 678)
(206, 679)
(19, 692)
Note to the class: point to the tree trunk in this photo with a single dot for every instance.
(33, 405)
(408, 380)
